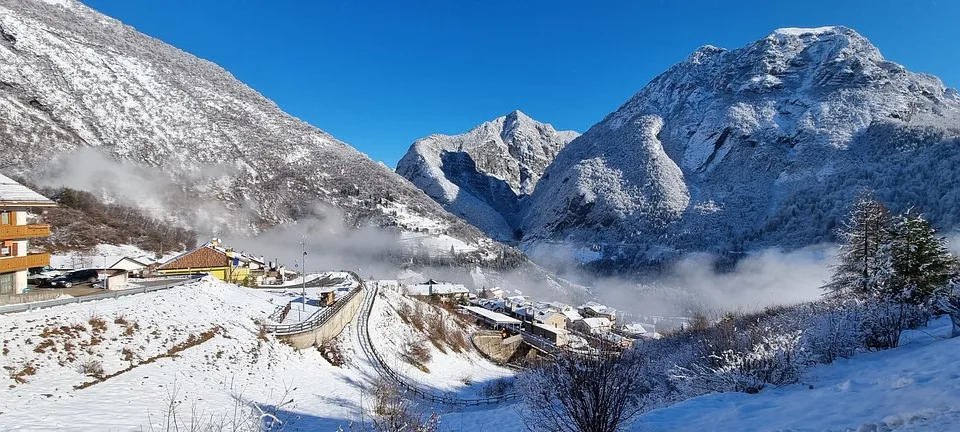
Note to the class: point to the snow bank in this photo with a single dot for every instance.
(911, 388)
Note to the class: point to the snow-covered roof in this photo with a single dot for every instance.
(598, 308)
(572, 315)
(638, 328)
(543, 316)
(597, 322)
(16, 194)
(436, 288)
(498, 318)
(552, 329)
(612, 337)
(491, 303)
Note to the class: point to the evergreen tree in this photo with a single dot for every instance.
(862, 268)
(920, 265)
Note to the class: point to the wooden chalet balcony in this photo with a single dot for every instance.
(20, 232)
(10, 264)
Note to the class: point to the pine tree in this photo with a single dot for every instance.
(921, 266)
(861, 270)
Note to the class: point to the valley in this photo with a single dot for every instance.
(543, 218)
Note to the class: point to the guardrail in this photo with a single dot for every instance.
(107, 295)
(366, 344)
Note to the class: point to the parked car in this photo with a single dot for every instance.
(42, 275)
(75, 277)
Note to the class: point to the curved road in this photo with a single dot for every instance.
(366, 344)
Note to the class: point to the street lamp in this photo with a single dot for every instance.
(303, 248)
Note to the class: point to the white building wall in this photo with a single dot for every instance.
(20, 281)
(127, 265)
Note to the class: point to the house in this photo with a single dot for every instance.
(15, 232)
(594, 325)
(551, 319)
(572, 317)
(524, 313)
(513, 303)
(133, 265)
(491, 293)
(441, 290)
(597, 310)
(615, 339)
(492, 319)
(220, 262)
(639, 330)
(557, 336)
(495, 305)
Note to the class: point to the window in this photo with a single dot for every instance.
(5, 218)
(8, 283)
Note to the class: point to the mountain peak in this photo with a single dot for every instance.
(482, 174)
(810, 31)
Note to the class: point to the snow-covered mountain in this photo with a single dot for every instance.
(483, 174)
(764, 145)
(145, 115)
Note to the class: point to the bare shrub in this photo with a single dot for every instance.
(393, 412)
(97, 324)
(127, 354)
(44, 345)
(417, 354)
(92, 368)
(497, 387)
(582, 394)
(333, 353)
(19, 374)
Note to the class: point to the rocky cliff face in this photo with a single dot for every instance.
(758, 146)
(85, 98)
(483, 175)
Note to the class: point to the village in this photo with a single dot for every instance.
(43, 277)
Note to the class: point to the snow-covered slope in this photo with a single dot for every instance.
(173, 132)
(758, 146)
(483, 174)
(209, 378)
(911, 388)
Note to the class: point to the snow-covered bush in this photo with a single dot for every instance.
(885, 320)
(775, 359)
(832, 331)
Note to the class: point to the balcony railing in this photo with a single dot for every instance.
(20, 232)
(10, 264)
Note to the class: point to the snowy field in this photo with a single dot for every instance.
(204, 376)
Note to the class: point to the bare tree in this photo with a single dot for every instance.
(578, 393)
(396, 412)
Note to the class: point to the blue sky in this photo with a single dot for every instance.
(379, 75)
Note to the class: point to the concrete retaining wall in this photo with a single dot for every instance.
(500, 350)
(10, 299)
(329, 329)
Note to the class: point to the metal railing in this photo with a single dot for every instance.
(366, 344)
(107, 295)
(314, 321)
